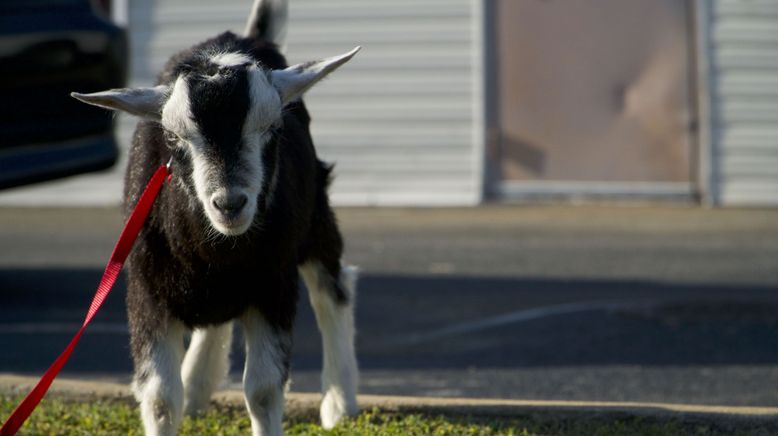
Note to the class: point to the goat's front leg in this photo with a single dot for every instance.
(266, 372)
(206, 365)
(157, 383)
(332, 297)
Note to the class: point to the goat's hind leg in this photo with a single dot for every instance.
(332, 292)
(205, 366)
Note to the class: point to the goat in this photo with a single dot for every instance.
(245, 214)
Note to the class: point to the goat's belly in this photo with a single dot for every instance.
(204, 310)
(205, 306)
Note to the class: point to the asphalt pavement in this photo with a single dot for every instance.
(593, 303)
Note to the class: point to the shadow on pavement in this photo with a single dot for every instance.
(479, 322)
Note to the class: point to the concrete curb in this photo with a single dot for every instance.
(306, 404)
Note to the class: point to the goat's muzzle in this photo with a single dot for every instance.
(229, 204)
(229, 211)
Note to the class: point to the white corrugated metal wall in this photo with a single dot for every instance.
(739, 54)
(401, 120)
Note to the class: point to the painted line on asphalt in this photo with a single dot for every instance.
(508, 318)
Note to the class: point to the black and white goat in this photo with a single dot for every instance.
(245, 215)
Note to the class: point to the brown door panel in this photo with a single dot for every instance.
(593, 90)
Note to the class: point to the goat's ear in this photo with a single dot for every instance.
(292, 82)
(143, 102)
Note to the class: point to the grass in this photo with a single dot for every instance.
(117, 417)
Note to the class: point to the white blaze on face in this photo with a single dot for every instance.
(177, 114)
(264, 114)
(177, 118)
(209, 178)
(230, 59)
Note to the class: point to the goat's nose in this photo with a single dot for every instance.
(229, 203)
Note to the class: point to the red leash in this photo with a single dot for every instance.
(115, 263)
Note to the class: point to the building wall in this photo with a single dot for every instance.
(739, 66)
(399, 120)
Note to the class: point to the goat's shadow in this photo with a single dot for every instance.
(435, 322)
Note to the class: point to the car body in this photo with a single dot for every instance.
(49, 48)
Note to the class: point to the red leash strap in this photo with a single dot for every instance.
(115, 263)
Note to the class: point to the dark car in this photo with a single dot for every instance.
(49, 48)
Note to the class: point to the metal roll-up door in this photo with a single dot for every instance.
(398, 120)
(741, 55)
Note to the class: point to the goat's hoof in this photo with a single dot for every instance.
(194, 409)
(334, 407)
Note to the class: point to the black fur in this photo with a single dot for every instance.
(176, 270)
(227, 96)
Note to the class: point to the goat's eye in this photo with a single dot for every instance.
(275, 128)
(258, 136)
(175, 138)
(170, 136)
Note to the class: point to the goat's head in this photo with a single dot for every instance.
(221, 111)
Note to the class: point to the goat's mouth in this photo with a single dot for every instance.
(231, 226)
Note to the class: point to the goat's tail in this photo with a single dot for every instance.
(267, 21)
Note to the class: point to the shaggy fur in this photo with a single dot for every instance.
(245, 214)
(177, 266)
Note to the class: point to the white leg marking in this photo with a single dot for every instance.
(336, 323)
(265, 373)
(205, 366)
(159, 387)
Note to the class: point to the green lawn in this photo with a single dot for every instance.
(67, 417)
